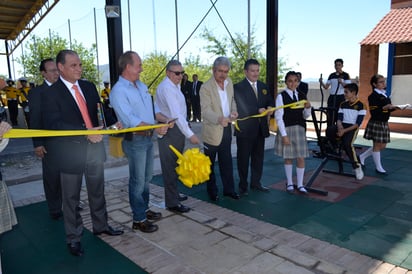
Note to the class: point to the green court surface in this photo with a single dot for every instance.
(372, 217)
(37, 245)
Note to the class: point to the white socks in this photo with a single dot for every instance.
(288, 172)
(299, 176)
(365, 155)
(377, 160)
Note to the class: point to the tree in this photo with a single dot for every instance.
(154, 70)
(236, 50)
(42, 48)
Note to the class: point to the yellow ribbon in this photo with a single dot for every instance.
(29, 133)
(193, 166)
(294, 105)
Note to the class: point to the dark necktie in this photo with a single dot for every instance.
(294, 97)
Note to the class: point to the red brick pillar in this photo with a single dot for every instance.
(369, 61)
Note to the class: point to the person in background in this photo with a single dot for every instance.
(350, 116)
(171, 103)
(109, 114)
(71, 104)
(186, 88)
(23, 96)
(197, 116)
(218, 108)
(303, 86)
(50, 171)
(105, 94)
(252, 97)
(290, 142)
(377, 129)
(336, 81)
(134, 107)
(12, 95)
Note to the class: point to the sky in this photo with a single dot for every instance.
(312, 33)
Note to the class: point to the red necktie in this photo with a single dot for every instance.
(82, 106)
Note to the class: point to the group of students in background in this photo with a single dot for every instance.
(346, 113)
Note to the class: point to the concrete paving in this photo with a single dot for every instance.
(210, 238)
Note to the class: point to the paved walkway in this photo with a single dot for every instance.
(210, 238)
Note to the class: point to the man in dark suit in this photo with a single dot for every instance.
(196, 98)
(71, 104)
(303, 87)
(252, 97)
(186, 88)
(51, 175)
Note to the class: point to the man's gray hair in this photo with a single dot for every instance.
(221, 61)
(173, 63)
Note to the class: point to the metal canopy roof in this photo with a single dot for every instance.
(19, 17)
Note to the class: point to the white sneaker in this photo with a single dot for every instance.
(359, 173)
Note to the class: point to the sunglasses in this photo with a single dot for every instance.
(177, 73)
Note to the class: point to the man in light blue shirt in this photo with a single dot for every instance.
(134, 107)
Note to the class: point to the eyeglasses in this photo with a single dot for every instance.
(177, 73)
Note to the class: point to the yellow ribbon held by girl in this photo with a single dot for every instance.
(193, 167)
(294, 105)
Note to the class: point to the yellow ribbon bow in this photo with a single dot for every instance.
(294, 105)
(193, 166)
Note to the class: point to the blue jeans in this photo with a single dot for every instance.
(139, 152)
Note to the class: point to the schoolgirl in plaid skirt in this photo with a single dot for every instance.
(290, 142)
(377, 129)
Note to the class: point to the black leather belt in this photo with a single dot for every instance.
(148, 132)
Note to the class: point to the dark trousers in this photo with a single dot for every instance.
(223, 151)
(250, 151)
(168, 163)
(188, 108)
(71, 187)
(196, 108)
(334, 102)
(13, 111)
(346, 142)
(51, 181)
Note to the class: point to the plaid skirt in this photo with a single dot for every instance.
(298, 147)
(7, 215)
(377, 131)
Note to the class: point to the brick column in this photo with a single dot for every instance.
(369, 61)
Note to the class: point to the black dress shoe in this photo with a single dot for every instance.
(182, 197)
(75, 249)
(56, 216)
(110, 231)
(179, 208)
(260, 188)
(380, 172)
(154, 216)
(233, 195)
(145, 226)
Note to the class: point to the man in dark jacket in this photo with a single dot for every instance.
(252, 97)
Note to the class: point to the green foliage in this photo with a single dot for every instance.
(42, 48)
(236, 50)
(153, 73)
(192, 66)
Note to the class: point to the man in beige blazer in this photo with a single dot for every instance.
(218, 110)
